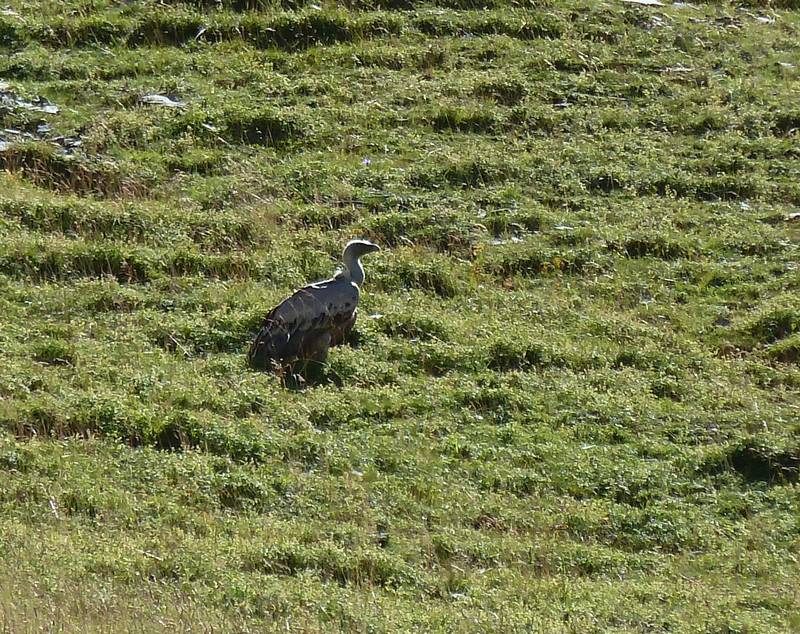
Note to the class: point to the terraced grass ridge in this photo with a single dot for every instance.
(571, 401)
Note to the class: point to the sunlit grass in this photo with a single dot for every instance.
(570, 403)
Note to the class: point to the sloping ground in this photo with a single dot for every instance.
(572, 402)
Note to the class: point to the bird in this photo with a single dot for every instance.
(306, 324)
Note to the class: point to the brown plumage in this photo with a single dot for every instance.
(314, 318)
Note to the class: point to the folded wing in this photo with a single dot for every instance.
(306, 324)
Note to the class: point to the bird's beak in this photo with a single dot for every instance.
(375, 247)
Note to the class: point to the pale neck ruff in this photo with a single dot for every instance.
(354, 270)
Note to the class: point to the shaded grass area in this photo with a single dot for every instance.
(571, 400)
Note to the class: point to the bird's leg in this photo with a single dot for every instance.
(320, 353)
(314, 355)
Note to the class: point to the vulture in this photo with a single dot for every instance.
(303, 326)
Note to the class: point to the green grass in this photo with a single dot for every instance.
(571, 401)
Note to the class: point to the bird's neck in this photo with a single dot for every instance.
(355, 270)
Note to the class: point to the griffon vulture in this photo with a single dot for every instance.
(318, 316)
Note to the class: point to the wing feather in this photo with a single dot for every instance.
(297, 326)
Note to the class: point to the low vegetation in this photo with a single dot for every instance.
(571, 400)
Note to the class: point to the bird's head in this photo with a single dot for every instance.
(356, 248)
(351, 259)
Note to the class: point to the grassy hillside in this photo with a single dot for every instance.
(571, 404)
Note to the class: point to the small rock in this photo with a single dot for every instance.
(40, 104)
(19, 134)
(11, 100)
(68, 144)
(162, 100)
